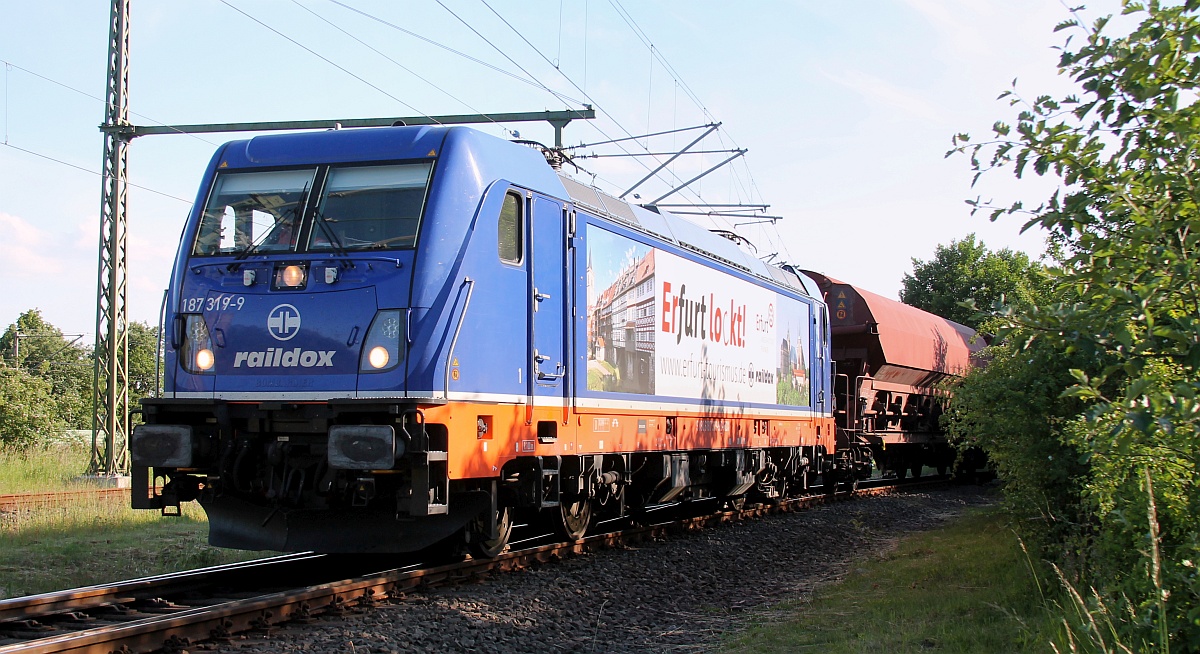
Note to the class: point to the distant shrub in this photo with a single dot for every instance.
(29, 414)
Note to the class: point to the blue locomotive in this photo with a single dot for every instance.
(379, 340)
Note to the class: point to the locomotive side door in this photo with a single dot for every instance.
(549, 307)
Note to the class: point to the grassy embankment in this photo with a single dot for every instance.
(965, 588)
(92, 541)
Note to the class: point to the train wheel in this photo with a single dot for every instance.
(482, 547)
(916, 470)
(576, 517)
(941, 470)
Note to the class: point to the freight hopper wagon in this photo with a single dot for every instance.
(382, 340)
(889, 359)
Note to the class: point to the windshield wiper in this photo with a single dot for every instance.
(335, 243)
(297, 211)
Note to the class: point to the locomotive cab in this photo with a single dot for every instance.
(287, 397)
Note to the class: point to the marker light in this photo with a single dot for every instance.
(378, 357)
(205, 359)
(383, 347)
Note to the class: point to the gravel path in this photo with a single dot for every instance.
(677, 595)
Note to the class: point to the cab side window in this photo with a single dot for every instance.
(511, 230)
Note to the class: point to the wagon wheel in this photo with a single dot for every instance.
(576, 517)
(482, 547)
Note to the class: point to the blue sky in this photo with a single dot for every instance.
(846, 109)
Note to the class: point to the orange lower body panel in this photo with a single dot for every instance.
(483, 437)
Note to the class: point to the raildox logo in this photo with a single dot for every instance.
(283, 322)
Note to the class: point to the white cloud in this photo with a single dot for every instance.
(24, 248)
(879, 92)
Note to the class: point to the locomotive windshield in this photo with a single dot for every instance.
(254, 212)
(367, 207)
(360, 208)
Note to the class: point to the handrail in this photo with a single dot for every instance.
(160, 345)
(454, 341)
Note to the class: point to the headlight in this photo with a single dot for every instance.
(205, 359)
(290, 277)
(383, 348)
(196, 353)
(378, 356)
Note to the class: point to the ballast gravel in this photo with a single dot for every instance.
(685, 593)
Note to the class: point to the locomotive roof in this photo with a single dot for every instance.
(681, 232)
(333, 146)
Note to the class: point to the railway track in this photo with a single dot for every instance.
(23, 501)
(171, 611)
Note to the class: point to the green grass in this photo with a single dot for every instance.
(99, 542)
(43, 470)
(964, 588)
(93, 540)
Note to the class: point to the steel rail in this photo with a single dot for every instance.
(16, 501)
(88, 597)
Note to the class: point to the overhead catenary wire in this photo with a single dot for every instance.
(322, 57)
(647, 154)
(500, 50)
(397, 63)
(657, 54)
(93, 172)
(447, 48)
(738, 186)
(591, 100)
(7, 70)
(11, 66)
(532, 78)
(634, 138)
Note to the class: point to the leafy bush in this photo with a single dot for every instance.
(1144, 458)
(1127, 220)
(1014, 409)
(28, 410)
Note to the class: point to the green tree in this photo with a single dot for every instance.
(1125, 150)
(28, 411)
(40, 349)
(966, 272)
(144, 374)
